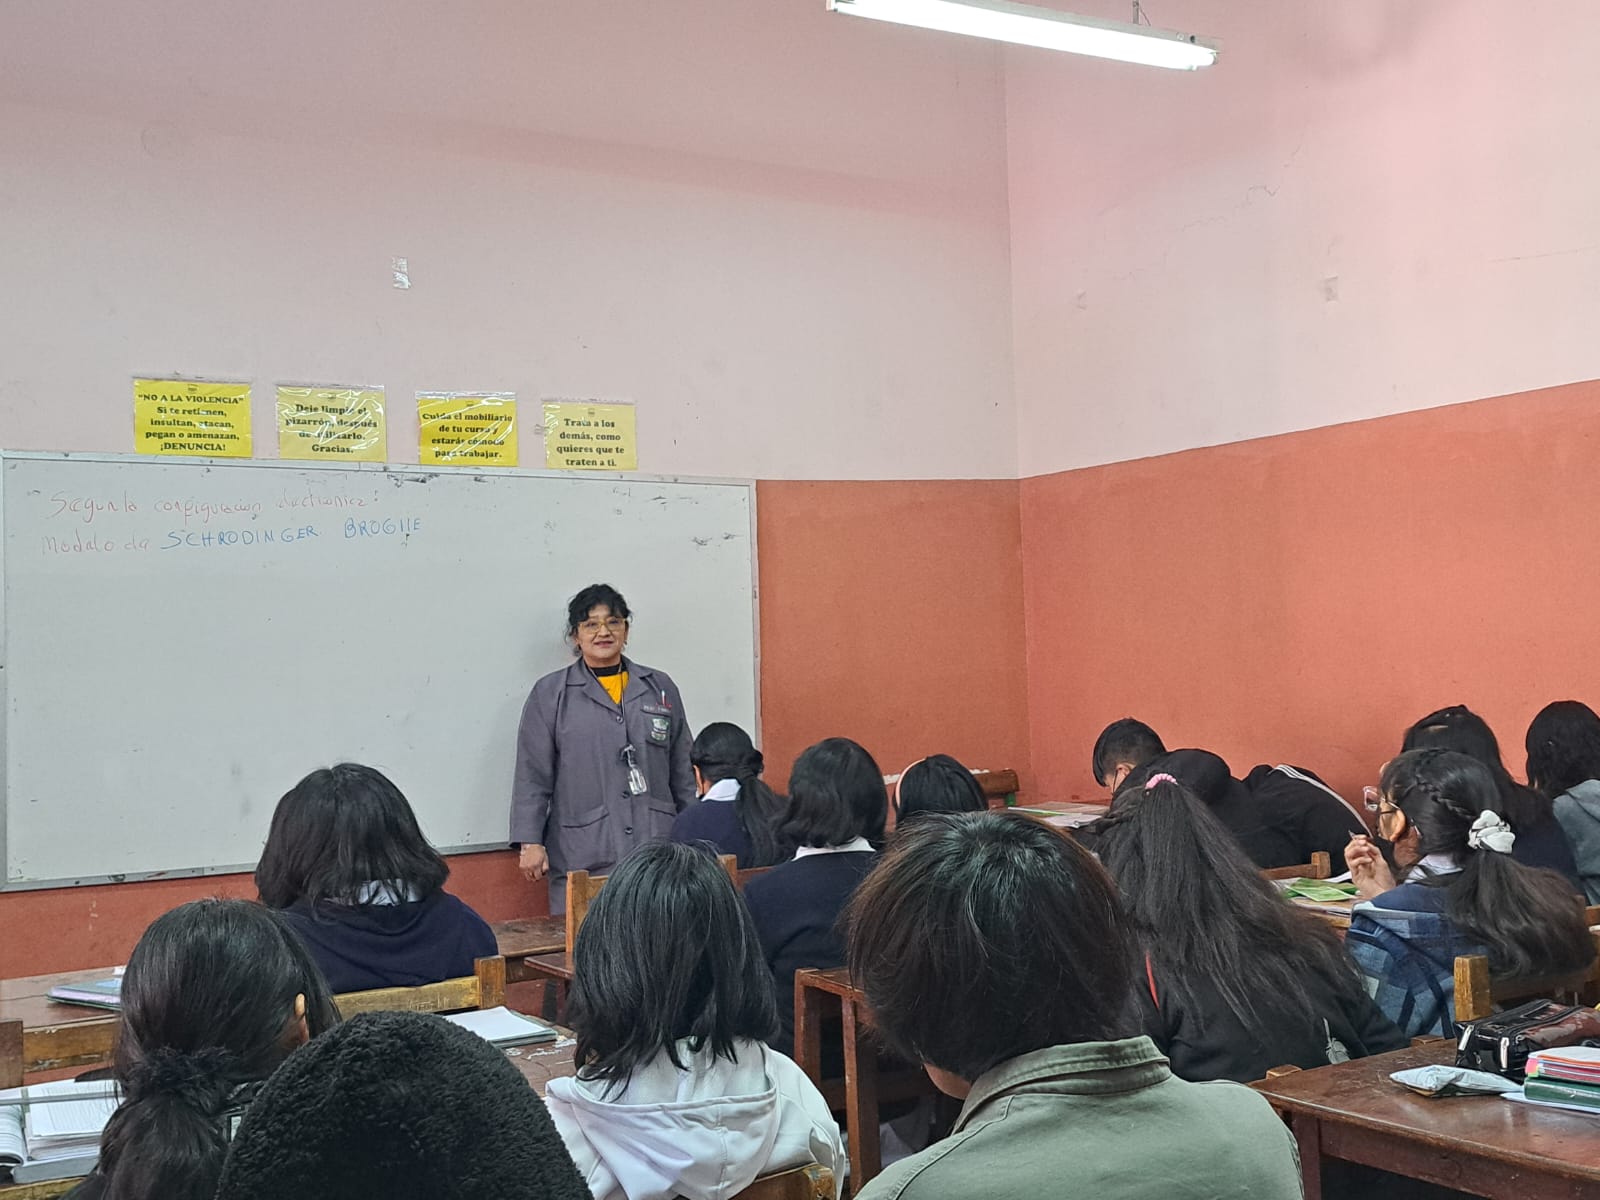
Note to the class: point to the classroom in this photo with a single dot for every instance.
(1255, 401)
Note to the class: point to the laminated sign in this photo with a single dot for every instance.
(467, 429)
(193, 417)
(584, 435)
(345, 424)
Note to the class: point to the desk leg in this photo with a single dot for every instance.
(1308, 1135)
(861, 1100)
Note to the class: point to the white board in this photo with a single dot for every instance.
(179, 650)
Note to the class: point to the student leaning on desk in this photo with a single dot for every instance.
(602, 752)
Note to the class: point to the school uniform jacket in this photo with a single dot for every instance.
(570, 793)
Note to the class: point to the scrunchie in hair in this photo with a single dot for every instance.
(1490, 832)
(202, 1079)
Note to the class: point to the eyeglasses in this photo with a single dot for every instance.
(1372, 799)
(609, 625)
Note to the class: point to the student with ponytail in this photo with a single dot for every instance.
(217, 993)
(1234, 980)
(737, 813)
(1459, 890)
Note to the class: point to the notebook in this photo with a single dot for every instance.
(52, 1130)
(98, 993)
(503, 1027)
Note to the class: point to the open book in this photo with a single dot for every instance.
(52, 1130)
(503, 1027)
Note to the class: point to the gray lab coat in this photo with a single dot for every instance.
(571, 788)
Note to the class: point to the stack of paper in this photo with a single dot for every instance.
(503, 1027)
(52, 1130)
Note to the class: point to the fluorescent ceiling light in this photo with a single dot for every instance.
(1027, 25)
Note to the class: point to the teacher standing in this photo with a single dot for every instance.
(602, 752)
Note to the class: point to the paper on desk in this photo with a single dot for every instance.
(1521, 1098)
(502, 1026)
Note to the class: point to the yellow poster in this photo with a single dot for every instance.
(186, 416)
(583, 435)
(345, 424)
(463, 429)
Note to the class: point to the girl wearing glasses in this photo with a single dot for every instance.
(1459, 890)
(602, 752)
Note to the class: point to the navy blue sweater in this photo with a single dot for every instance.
(796, 907)
(392, 945)
(715, 821)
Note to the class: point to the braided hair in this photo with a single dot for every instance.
(208, 1012)
(1527, 918)
(724, 751)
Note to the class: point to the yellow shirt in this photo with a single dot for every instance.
(614, 685)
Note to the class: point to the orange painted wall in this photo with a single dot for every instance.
(891, 613)
(1303, 598)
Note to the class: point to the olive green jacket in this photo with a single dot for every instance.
(1102, 1121)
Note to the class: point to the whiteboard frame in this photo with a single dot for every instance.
(287, 464)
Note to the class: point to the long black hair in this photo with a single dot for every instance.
(937, 783)
(1527, 918)
(1459, 728)
(836, 795)
(208, 1009)
(724, 751)
(1205, 914)
(668, 952)
(339, 831)
(1563, 747)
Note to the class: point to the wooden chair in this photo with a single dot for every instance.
(10, 1054)
(1479, 994)
(812, 1182)
(1320, 867)
(38, 1191)
(484, 988)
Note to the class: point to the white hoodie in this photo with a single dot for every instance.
(704, 1133)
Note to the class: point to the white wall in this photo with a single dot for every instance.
(781, 232)
(1365, 207)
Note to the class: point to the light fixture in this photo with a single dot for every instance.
(1028, 25)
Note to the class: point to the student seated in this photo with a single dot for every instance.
(676, 1093)
(937, 783)
(1540, 839)
(1121, 749)
(347, 865)
(1563, 746)
(217, 993)
(1281, 815)
(1236, 979)
(398, 1106)
(992, 949)
(835, 815)
(1459, 891)
(737, 813)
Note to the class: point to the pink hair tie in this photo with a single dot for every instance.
(1155, 779)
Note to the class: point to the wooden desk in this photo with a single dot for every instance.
(526, 937)
(538, 1064)
(1478, 1144)
(817, 994)
(57, 1036)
